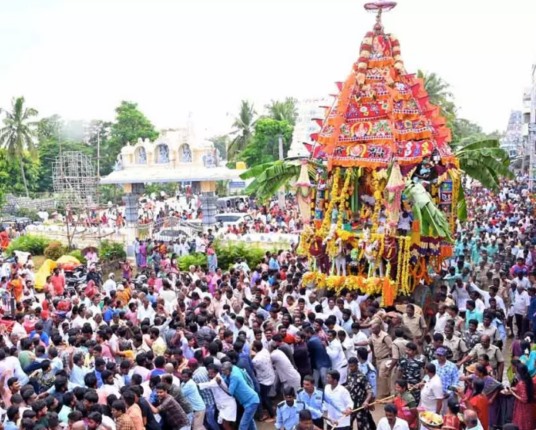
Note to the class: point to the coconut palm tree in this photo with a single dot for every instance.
(283, 111)
(243, 129)
(17, 135)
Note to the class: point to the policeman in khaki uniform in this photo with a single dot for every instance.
(288, 411)
(381, 344)
(312, 397)
(398, 351)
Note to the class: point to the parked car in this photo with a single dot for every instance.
(233, 219)
(171, 234)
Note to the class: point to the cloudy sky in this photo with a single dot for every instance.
(80, 58)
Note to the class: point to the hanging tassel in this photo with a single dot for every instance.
(415, 232)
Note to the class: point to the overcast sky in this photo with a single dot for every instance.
(80, 58)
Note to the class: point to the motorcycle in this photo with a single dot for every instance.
(75, 278)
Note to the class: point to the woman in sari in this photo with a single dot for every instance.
(479, 403)
(450, 419)
(143, 255)
(523, 393)
(173, 265)
(406, 404)
(16, 287)
(212, 258)
(127, 270)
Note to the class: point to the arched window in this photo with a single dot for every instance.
(141, 156)
(162, 154)
(185, 154)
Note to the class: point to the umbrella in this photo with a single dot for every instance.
(88, 249)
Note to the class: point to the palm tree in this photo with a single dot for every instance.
(17, 135)
(438, 90)
(283, 111)
(243, 129)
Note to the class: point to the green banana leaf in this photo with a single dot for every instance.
(432, 220)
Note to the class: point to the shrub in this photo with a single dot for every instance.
(111, 251)
(27, 213)
(78, 255)
(192, 260)
(33, 244)
(55, 250)
(228, 254)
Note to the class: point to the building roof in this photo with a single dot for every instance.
(163, 174)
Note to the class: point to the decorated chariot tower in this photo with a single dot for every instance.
(384, 203)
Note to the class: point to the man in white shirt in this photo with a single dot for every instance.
(146, 311)
(337, 401)
(337, 356)
(432, 392)
(520, 306)
(262, 363)
(488, 295)
(390, 421)
(109, 285)
(441, 319)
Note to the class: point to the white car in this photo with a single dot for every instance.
(171, 234)
(233, 219)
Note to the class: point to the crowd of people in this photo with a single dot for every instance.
(222, 348)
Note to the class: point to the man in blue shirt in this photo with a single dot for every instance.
(288, 410)
(273, 264)
(191, 392)
(320, 360)
(312, 397)
(446, 370)
(243, 392)
(13, 416)
(38, 330)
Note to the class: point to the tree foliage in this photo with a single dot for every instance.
(221, 143)
(130, 125)
(243, 126)
(18, 133)
(264, 145)
(285, 110)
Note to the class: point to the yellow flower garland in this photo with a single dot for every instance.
(405, 284)
(399, 268)
(342, 198)
(332, 201)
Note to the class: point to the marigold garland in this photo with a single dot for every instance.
(343, 197)
(373, 285)
(405, 280)
(399, 264)
(332, 201)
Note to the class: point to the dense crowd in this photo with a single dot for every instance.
(219, 348)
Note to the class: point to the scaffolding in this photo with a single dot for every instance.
(74, 179)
